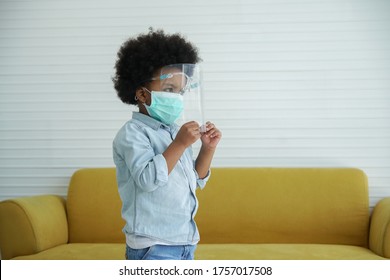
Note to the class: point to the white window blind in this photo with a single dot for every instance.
(290, 84)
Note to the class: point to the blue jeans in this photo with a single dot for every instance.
(161, 252)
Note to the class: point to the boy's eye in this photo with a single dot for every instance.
(168, 89)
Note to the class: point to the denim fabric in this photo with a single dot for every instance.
(162, 252)
(155, 205)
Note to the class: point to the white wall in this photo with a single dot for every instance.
(290, 83)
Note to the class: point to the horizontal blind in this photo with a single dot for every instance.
(290, 84)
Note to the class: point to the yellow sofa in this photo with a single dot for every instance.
(244, 213)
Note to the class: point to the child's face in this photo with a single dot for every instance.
(167, 80)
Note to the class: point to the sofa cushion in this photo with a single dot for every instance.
(283, 252)
(85, 251)
(80, 251)
(284, 205)
(94, 207)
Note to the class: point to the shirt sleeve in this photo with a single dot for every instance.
(148, 170)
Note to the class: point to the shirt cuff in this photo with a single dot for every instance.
(201, 182)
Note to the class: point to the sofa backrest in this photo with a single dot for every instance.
(240, 205)
(284, 205)
(94, 207)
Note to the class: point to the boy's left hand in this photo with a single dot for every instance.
(211, 137)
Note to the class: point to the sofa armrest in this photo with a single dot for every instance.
(379, 241)
(29, 225)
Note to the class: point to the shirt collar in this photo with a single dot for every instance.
(149, 121)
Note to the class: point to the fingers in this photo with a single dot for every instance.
(192, 127)
(188, 134)
(211, 130)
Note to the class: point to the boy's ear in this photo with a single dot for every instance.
(140, 94)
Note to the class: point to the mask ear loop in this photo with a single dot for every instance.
(144, 88)
(147, 90)
(136, 98)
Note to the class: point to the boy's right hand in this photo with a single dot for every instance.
(188, 134)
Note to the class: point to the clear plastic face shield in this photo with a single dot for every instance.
(186, 80)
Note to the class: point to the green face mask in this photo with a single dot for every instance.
(165, 107)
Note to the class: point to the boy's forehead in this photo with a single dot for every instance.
(167, 70)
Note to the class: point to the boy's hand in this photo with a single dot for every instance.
(211, 137)
(210, 140)
(188, 134)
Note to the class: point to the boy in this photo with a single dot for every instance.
(156, 174)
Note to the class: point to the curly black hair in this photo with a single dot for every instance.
(140, 57)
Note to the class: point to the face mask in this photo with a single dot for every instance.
(165, 107)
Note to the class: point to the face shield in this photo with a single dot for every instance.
(186, 80)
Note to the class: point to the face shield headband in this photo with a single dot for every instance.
(179, 78)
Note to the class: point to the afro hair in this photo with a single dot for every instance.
(140, 57)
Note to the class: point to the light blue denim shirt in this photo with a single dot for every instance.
(155, 205)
